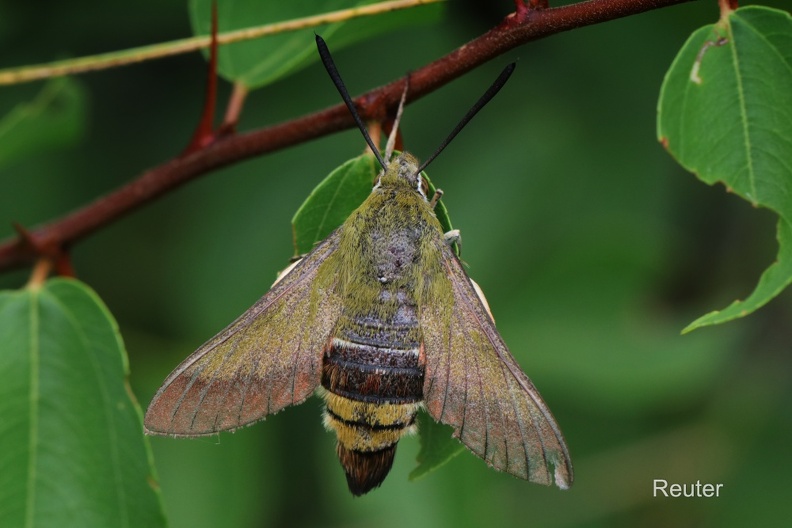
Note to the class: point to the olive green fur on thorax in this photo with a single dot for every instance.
(390, 244)
(401, 172)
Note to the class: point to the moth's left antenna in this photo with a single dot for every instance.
(330, 66)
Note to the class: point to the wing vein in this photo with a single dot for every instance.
(519, 423)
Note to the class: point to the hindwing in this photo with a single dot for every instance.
(267, 359)
(474, 384)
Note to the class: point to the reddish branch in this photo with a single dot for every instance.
(516, 29)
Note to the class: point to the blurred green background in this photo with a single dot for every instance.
(593, 247)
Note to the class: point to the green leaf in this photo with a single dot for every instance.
(725, 114)
(256, 63)
(72, 450)
(334, 199)
(54, 118)
(437, 446)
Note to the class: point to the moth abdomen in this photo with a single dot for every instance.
(371, 373)
(372, 394)
(367, 436)
(365, 470)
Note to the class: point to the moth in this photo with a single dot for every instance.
(381, 319)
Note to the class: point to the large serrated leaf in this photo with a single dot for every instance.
(72, 450)
(256, 63)
(725, 114)
(54, 118)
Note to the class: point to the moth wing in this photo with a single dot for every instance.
(473, 384)
(268, 359)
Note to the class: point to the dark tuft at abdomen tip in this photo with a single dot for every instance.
(365, 470)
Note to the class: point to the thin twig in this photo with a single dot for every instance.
(114, 59)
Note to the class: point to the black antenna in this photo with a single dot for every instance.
(489, 94)
(330, 66)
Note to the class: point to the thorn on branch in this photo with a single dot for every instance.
(25, 240)
(523, 10)
(48, 251)
(520, 11)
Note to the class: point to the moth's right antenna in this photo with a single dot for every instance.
(330, 66)
(483, 100)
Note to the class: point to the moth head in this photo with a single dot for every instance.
(402, 172)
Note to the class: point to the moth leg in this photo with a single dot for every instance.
(436, 198)
(454, 237)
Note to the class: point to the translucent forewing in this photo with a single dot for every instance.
(474, 384)
(268, 359)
